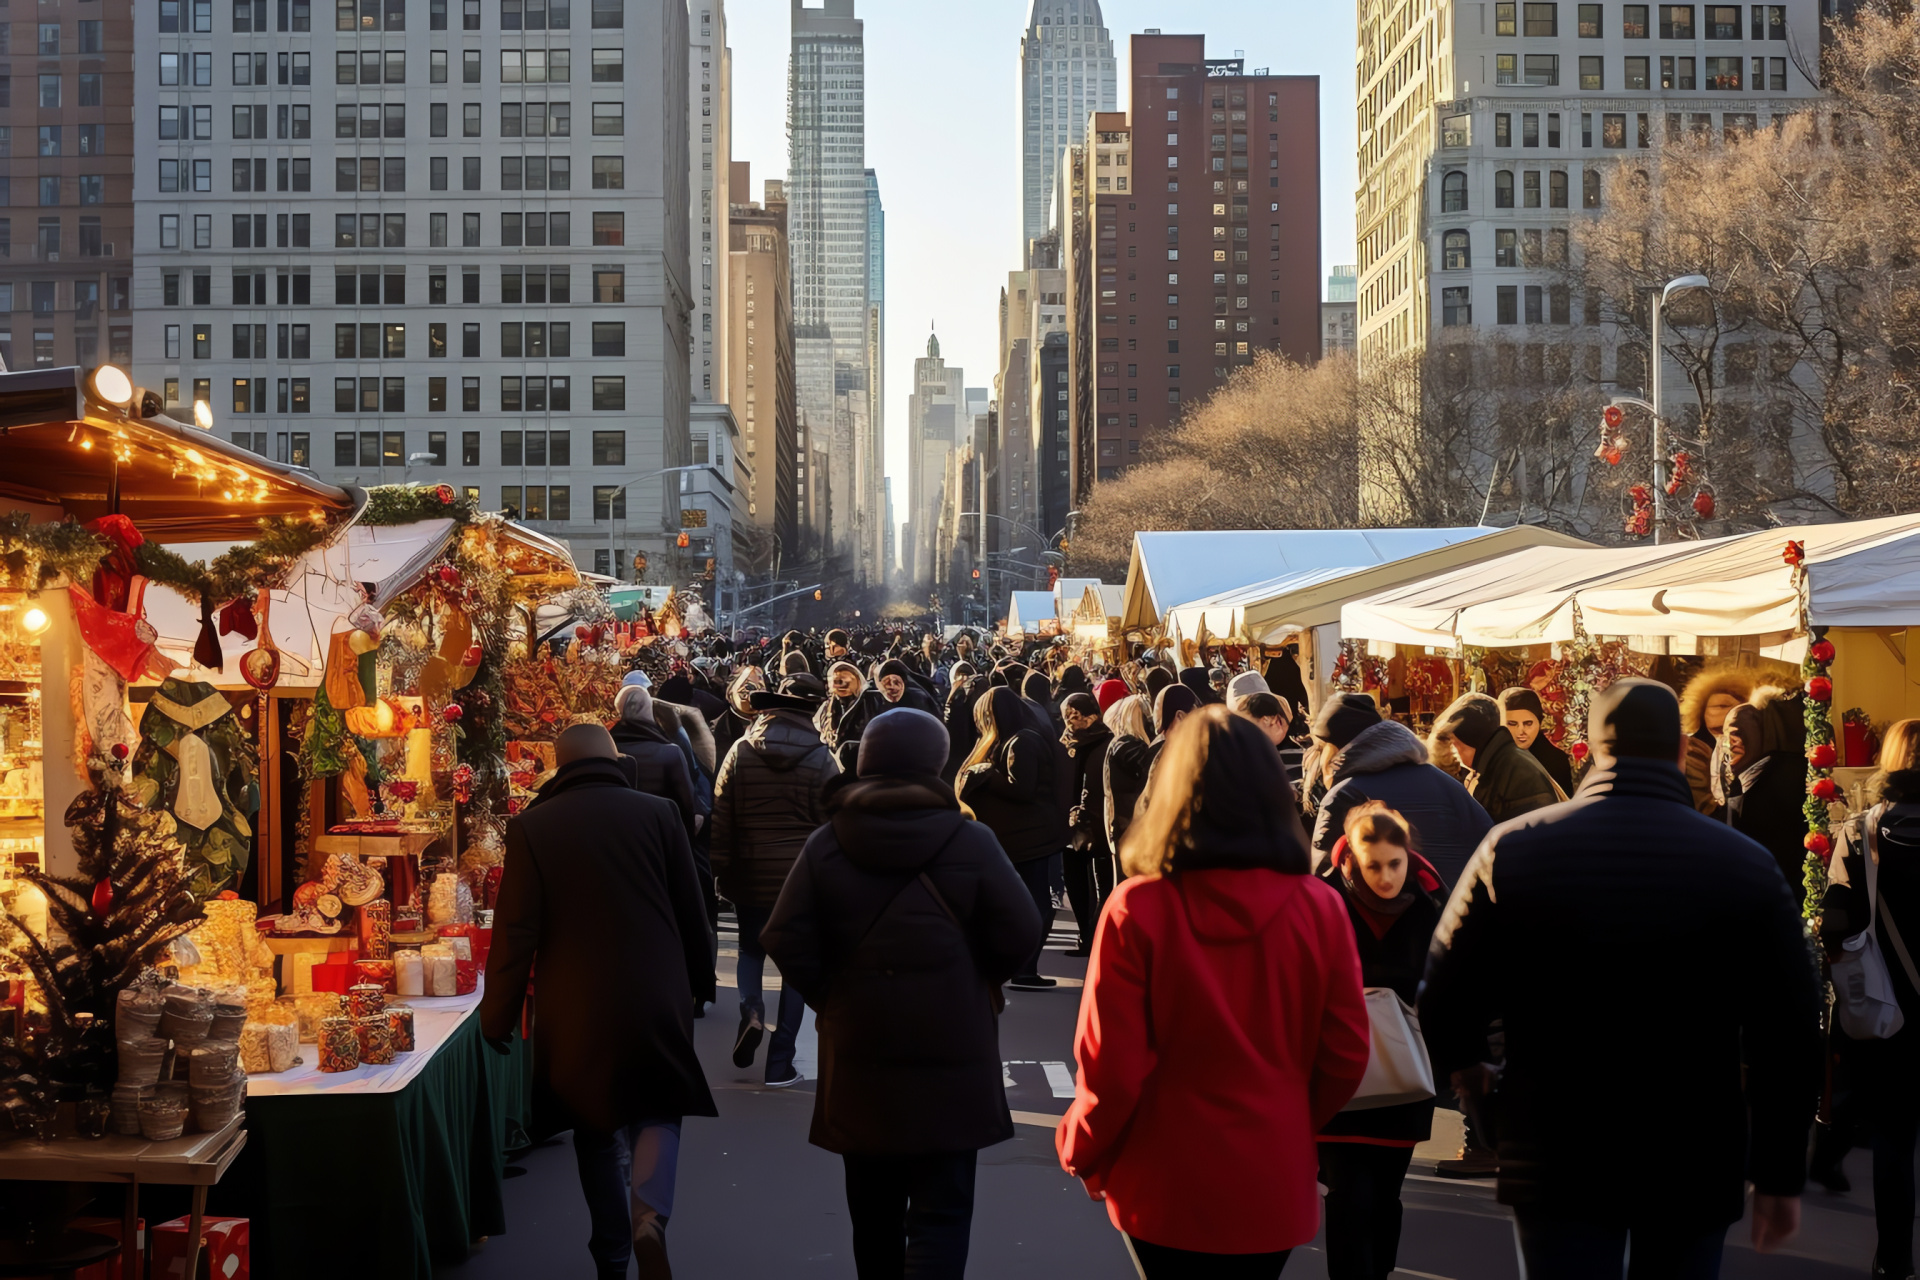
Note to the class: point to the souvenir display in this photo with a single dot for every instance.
(365, 999)
(441, 976)
(339, 1046)
(409, 977)
(375, 920)
(376, 1039)
(400, 1026)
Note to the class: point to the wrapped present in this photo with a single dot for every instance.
(400, 1026)
(339, 1046)
(466, 976)
(377, 972)
(108, 1268)
(376, 1039)
(409, 977)
(439, 961)
(461, 944)
(364, 999)
(375, 923)
(224, 1249)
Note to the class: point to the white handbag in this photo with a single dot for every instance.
(1864, 999)
(1398, 1068)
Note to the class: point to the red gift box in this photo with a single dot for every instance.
(107, 1268)
(466, 976)
(1856, 744)
(225, 1248)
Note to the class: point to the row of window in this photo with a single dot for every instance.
(194, 70)
(540, 285)
(1676, 73)
(537, 394)
(1512, 247)
(519, 340)
(1538, 304)
(194, 122)
(86, 344)
(374, 173)
(90, 187)
(89, 34)
(53, 139)
(250, 16)
(42, 295)
(1719, 21)
(47, 239)
(388, 231)
(49, 92)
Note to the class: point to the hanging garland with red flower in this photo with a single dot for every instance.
(1823, 753)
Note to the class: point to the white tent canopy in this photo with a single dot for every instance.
(1027, 610)
(1168, 568)
(1860, 573)
(1067, 593)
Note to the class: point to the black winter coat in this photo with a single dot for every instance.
(1386, 762)
(1127, 761)
(905, 981)
(1887, 1066)
(1087, 819)
(1013, 793)
(1767, 808)
(1557, 763)
(1397, 961)
(599, 890)
(659, 768)
(1507, 781)
(1573, 925)
(841, 721)
(766, 804)
(961, 730)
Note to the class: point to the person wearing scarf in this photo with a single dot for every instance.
(1391, 898)
(844, 715)
(900, 688)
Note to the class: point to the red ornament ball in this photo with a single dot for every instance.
(1578, 750)
(471, 658)
(1824, 789)
(102, 899)
(1703, 505)
(1821, 651)
(452, 712)
(119, 751)
(1818, 844)
(444, 492)
(1823, 756)
(448, 575)
(1820, 689)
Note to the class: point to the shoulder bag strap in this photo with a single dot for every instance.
(1875, 902)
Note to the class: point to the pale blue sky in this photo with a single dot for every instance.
(941, 103)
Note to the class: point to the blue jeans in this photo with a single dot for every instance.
(1554, 1246)
(1037, 875)
(749, 972)
(619, 1170)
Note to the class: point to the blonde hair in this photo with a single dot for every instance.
(1152, 844)
(1900, 749)
(990, 731)
(1128, 718)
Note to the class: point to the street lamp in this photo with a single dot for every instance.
(613, 564)
(1682, 284)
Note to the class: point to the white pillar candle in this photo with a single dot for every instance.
(409, 973)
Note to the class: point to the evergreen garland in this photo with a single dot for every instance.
(391, 504)
(239, 572)
(1822, 755)
(36, 556)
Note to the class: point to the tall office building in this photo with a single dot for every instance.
(934, 425)
(1213, 256)
(414, 288)
(1485, 129)
(872, 446)
(66, 126)
(710, 116)
(1337, 330)
(760, 358)
(1066, 73)
(827, 212)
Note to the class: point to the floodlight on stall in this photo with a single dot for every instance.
(203, 415)
(110, 385)
(34, 621)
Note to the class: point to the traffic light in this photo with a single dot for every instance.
(976, 573)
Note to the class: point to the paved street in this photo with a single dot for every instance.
(755, 1199)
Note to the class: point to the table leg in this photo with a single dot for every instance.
(193, 1232)
(130, 1232)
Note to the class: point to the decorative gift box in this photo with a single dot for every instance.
(225, 1249)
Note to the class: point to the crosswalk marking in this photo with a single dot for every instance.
(1059, 1079)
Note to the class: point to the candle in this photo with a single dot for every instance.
(409, 974)
(438, 961)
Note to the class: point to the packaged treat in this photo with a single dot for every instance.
(283, 1045)
(466, 976)
(380, 972)
(461, 944)
(163, 1117)
(409, 977)
(376, 929)
(124, 1104)
(253, 1048)
(141, 1060)
(187, 1014)
(314, 1009)
(364, 999)
(400, 1026)
(441, 977)
(339, 1046)
(229, 1015)
(376, 1039)
(215, 1107)
(137, 1012)
(212, 1062)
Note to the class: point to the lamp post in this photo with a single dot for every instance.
(613, 565)
(1654, 404)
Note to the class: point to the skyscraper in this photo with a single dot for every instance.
(933, 427)
(760, 325)
(827, 212)
(1066, 73)
(873, 451)
(710, 117)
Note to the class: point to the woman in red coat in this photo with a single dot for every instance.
(1223, 1023)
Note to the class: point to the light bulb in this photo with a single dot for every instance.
(111, 385)
(203, 415)
(34, 621)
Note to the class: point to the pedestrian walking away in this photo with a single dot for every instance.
(1009, 784)
(599, 894)
(1222, 1026)
(899, 923)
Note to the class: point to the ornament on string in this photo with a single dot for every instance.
(1823, 789)
(1640, 522)
(1823, 755)
(444, 492)
(1820, 689)
(1703, 504)
(1819, 844)
(1794, 553)
(1682, 473)
(1821, 651)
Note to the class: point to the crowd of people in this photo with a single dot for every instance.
(1289, 966)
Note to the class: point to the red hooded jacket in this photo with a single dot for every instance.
(1223, 1024)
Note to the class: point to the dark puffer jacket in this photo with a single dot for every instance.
(1507, 781)
(659, 767)
(1126, 763)
(766, 804)
(1386, 762)
(1013, 790)
(904, 979)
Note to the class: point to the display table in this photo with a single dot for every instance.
(384, 1171)
(194, 1160)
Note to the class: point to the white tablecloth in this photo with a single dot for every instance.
(435, 1019)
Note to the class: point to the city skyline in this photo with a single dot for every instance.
(942, 136)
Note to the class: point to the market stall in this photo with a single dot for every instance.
(1841, 602)
(1031, 613)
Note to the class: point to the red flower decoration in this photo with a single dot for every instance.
(1821, 652)
(444, 492)
(1703, 505)
(1824, 789)
(102, 900)
(1823, 756)
(1794, 553)
(1820, 689)
(1818, 844)
(452, 712)
(1578, 750)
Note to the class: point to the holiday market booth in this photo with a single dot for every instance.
(1831, 610)
(291, 721)
(1032, 613)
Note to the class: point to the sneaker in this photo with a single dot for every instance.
(1033, 982)
(792, 1077)
(748, 1041)
(1472, 1162)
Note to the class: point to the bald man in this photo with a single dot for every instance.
(600, 890)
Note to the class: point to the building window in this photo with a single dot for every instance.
(1503, 18)
(1636, 74)
(609, 448)
(1723, 22)
(1456, 307)
(1455, 255)
(1530, 189)
(1502, 129)
(1557, 188)
(609, 393)
(1541, 69)
(1613, 130)
(1453, 192)
(1506, 68)
(1590, 22)
(1506, 252)
(1633, 21)
(1542, 19)
(1456, 131)
(1590, 189)
(1593, 74)
(1724, 73)
(1676, 22)
(1506, 300)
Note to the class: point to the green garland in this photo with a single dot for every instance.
(239, 572)
(1822, 755)
(391, 504)
(36, 556)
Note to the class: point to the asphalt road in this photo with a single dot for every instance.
(755, 1199)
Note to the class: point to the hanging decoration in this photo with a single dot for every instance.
(1823, 754)
(193, 762)
(1591, 664)
(1640, 521)
(1681, 474)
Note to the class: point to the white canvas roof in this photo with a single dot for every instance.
(1067, 593)
(1861, 573)
(1168, 568)
(1028, 608)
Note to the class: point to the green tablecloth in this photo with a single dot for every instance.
(385, 1185)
